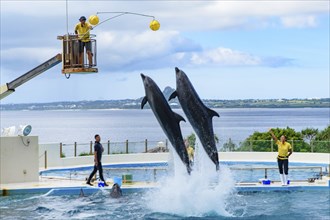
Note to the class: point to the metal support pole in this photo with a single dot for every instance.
(61, 150)
(45, 159)
(126, 146)
(271, 145)
(265, 173)
(75, 149)
(146, 146)
(108, 147)
(90, 148)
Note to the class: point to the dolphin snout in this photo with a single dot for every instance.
(143, 76)
(177, 69)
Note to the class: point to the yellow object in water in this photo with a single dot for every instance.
(154, 25)
(93, 19)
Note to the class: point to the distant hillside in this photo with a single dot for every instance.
(136, 103)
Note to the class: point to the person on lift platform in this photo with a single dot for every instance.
(82, 29)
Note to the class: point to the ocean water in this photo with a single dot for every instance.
(137, 125)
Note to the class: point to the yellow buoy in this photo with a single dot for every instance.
(154, 25)
(93, 19)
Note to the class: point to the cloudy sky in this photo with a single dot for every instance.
(229, 49)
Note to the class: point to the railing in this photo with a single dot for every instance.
(275, 168)
(126, 147)
(71, 55)
(270, 146)
(83, 149)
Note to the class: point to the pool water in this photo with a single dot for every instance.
(271, 205)
(205, 194)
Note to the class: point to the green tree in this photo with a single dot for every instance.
(229, 146)
(321, 142)
(192, 139)
(261, 141)
(309, 134)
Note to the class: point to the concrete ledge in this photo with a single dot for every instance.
(82, 190)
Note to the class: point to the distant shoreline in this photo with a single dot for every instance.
(136, 104)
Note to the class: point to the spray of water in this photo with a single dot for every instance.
(205, 192)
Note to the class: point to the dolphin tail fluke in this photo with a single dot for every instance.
(212, 113)
(173, 95)
(178, 117)
(144, 101)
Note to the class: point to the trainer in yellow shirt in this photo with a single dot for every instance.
(190, 151)
(284, 151)
(82, 29)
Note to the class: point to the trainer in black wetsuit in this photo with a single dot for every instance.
(98, 150)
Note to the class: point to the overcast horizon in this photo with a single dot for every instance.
(230, 50)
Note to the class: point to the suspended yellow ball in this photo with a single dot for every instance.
(154, 25)
(93, 19)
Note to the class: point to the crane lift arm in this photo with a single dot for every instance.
(9, 88)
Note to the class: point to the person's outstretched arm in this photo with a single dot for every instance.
(273, 136)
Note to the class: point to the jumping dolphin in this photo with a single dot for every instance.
(168, 120)
(199, 116)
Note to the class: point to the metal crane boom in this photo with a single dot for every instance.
(9, 88)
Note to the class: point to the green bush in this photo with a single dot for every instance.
(84, 154)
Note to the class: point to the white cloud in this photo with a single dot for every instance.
(299, 21)
(129, 50)
(28, 54)
(153, 50)
(224, 56)
(176, 15)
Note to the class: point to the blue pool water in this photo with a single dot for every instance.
(179, 197)
(279, 205)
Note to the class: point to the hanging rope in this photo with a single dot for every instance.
(116, 16)
(67, 18)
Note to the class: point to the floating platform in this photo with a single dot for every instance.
(63, 186)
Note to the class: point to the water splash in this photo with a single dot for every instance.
(204, 193)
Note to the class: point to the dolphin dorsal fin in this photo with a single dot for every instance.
(173, 95)
(212, 113)
(178, 117)
(144, 101)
